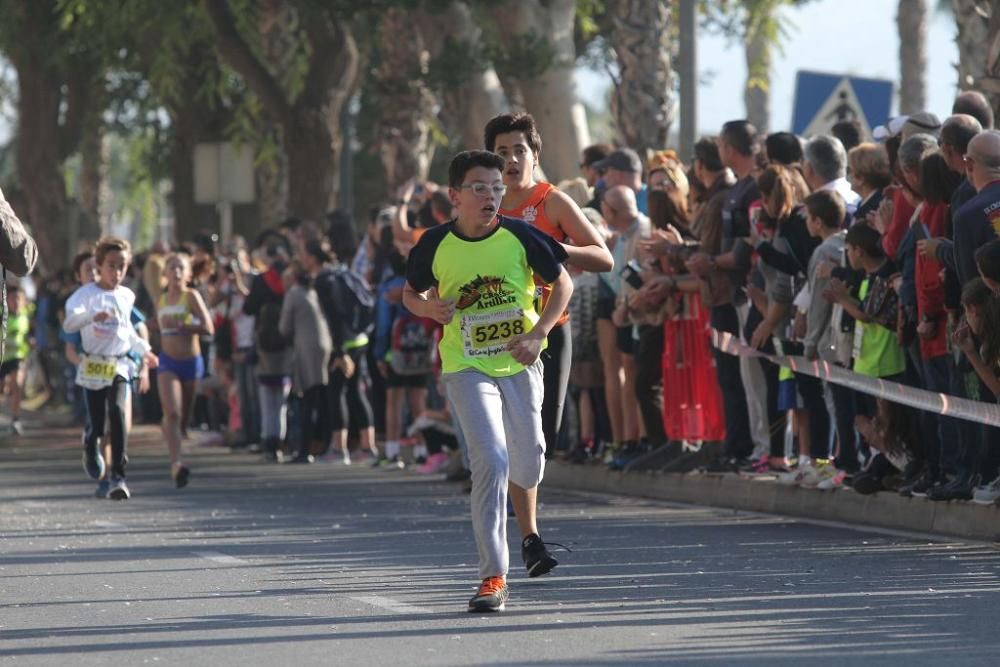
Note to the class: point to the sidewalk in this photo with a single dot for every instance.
(881, 510)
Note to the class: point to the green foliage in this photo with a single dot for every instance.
(455, 64)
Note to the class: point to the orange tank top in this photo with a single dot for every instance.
(532, 211)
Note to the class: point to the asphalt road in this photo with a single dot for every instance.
(322, 564)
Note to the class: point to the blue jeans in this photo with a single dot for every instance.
(246, 387)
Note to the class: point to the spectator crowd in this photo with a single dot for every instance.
(878, 255)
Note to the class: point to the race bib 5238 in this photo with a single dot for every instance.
(489, 333)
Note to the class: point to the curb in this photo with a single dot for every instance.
(881, 510)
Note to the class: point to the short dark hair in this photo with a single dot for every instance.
(849, 132)
(466, 160)
(706, 151)
(205, 241)
(958, 135)
(291, 223)
(342, 235)
(827, 207)
(866, 238)
(741, 135)
(596, 153)
(988, 260)
(79, 259)
(513, 122)
(317, 248)
(975, 104)
(783, 148)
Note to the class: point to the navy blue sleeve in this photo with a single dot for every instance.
(545, 254)
(420, 265)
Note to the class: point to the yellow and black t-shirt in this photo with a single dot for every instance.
(491, 281)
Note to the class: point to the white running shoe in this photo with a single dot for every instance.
(987, 495)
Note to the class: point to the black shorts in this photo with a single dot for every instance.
(626, 343)
(395, 381)
(9, 366)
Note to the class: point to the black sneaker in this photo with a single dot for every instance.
(181, 476)
(490, 597)
(920, 487)
(536, 557)
(93, 462)
(867, 483)
(960, 488)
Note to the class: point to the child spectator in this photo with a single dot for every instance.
(406, 354)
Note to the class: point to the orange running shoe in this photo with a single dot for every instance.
(491, 595)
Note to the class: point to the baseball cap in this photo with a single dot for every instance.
(621, 159)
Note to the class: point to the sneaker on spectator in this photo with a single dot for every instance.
(335, 456)
(960, 488)
(491, 596)
(758, 466)
(15, 427)
(921, 485)
(435, 463)
(824, 470)
(833, 481)
(799, 474)
(867, 483)
(725, 464)
(395, 463)
(988, 494)
(102, 489)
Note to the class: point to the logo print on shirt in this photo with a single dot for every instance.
(485, 292)
(529, 214)
(995, 222)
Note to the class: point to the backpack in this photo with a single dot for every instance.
(268, 335)
(357, 299)
(413, 345)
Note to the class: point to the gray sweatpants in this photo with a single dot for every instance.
(501, 419)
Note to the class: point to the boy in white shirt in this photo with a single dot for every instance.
(101, 312)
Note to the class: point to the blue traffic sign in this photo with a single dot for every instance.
(822, 100)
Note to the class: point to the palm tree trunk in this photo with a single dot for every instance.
(911, 22)
(407, 105)
(549, 96)
(989, 84)
(642, 103)
(973, 24)
(757, 93)
(466, 104)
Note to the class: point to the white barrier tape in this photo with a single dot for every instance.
(921, 399)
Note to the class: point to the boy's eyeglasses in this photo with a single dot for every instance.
(484, 190)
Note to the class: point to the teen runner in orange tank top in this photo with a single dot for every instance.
(515, 138)
(532, 211)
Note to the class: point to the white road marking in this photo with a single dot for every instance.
(221, 558)
(107, 524)
(392, 605)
